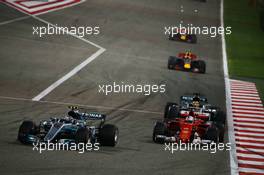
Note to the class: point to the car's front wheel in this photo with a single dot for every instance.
(26, 128)
(108, 135)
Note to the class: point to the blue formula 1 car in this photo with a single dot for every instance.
(76, 127)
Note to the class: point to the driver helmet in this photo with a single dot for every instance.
(196, 101)
(74, 114)
(188, 54)
(190, 118)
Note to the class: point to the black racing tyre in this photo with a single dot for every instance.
(212, 134)
(219, 117)
(159, 129)
(198, 66)
(221, 130)
(26, 128)
(193, 39)
(194, 65)
(82, 135)
(202, 66)
(171, 111)
(108, 135)
(171, 62)
(174, 37)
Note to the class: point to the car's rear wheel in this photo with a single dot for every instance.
(198, 66)
(159, 129)
(108, 135)
(212, 134)
(25, 129)
(171, 111)
(82, 135)
(193, 39)
(202, 66)
(171, 62)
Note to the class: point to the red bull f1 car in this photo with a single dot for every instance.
(183, 36)
(187, 62)
(193, 121)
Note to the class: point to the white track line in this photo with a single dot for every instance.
(251, 170)
(247, 111)
(249, 119)
(74, 70)
(248, 107)
(83, 105)
(247, 104)
(249, 143)
(250, 95)
(231, 135)
(68, 75)
(244, 97)
(250, 155)
(244, 92)
(250, 134)
(254, 151)
(14, 20)
(250, 138)
(250, 162)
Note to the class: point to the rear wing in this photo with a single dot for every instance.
(74, 112)
(93, 116)
(192, 56)
(189, 98)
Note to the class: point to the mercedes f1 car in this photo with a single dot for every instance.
(75, 127)
(187, 62)
(183, 36)
(193, 121)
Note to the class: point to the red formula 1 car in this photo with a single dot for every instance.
(183, 36)
(190, 123)
(187, 62)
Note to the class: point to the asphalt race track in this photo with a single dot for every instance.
(132, 32)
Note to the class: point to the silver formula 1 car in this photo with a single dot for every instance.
(78, 127)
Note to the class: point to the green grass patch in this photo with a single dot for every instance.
(245, 46)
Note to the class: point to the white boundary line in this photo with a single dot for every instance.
(14, 20)
(82, 105)
(74, 70)
(231, 135)
(68, 75)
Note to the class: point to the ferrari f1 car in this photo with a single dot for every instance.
(183, 36)
(187, 62)
(193, 121)
(75, 127)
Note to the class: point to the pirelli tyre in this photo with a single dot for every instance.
(212, 134)
(26, 128)
(192, 39)
(198, 65)
(173, 61)
(171, 111)
(82, 135)
(108, 135)
(159, 129)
